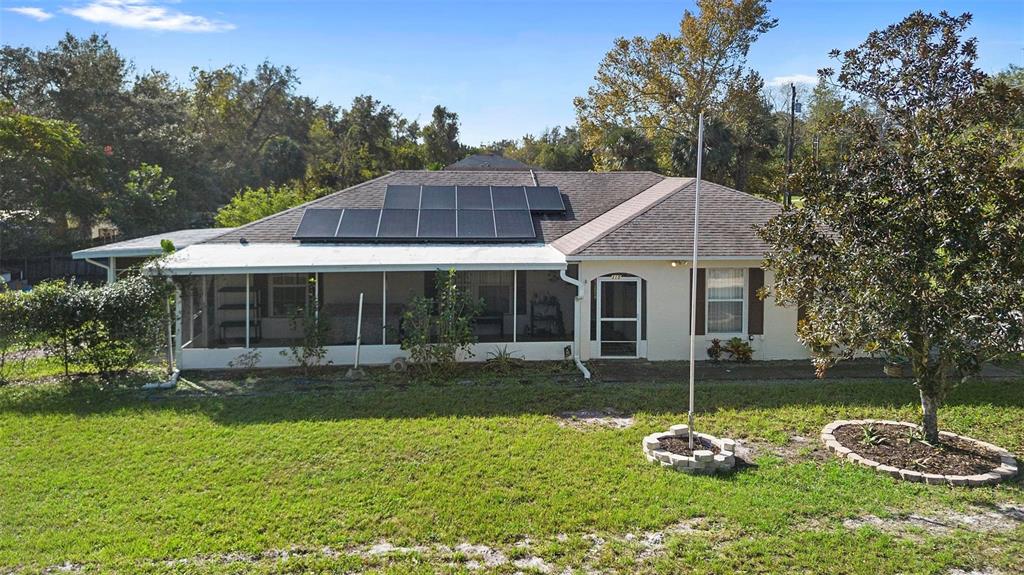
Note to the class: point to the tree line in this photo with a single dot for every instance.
(85, 138)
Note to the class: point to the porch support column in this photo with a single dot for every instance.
(112, 270)
(515, 304)
(178, 333)
(248, 282)
(384, 310)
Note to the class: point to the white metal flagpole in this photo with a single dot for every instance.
(693, 268)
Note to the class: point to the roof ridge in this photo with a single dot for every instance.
(619, 215)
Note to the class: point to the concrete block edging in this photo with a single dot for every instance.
(1007, 469)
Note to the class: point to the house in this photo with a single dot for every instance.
(569, 264)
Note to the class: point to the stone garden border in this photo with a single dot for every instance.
(702, 462)
(1005, 471)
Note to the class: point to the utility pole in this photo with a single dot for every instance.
(787, 194)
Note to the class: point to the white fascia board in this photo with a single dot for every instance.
(205, 259)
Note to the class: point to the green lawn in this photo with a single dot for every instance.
(129, 482)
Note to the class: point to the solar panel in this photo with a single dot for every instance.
(438, 198)
(544, 199)
(476, 224)
(514, 224)
(474, 197)
(358, 223)
(318, 223)
(509, 197)
(437, 224)
(398, 224)
(401, 197)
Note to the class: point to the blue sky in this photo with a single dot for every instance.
(507, 68)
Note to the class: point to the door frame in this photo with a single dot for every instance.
(637, 281)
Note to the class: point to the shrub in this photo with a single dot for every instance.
(739, 350)
(13, 321)
(112, 328)
(437, 330)
(309, 351)
(715, 350)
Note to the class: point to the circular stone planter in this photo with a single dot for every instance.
(702, 462)
(1007, 469)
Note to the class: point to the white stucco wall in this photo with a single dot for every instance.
(668, 311)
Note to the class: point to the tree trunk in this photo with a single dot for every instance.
(930, 417)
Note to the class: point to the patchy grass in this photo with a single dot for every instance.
(263, 474)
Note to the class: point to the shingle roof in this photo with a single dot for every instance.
(587, 194)
(727, 220)
(150, 245)
(490, 163)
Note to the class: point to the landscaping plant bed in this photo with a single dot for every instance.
(681, 445)
(672, 449)
(897, 449)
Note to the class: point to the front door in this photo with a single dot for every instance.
(618, 322)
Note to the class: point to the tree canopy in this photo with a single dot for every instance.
(911, 241)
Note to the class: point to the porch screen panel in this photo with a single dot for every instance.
(546, 307)
(494, 323)
(402, 287)
(339, 307)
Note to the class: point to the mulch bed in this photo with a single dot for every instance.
(680, 445)
(896, 446)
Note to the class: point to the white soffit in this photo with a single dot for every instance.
(611, 220)
(290, 258)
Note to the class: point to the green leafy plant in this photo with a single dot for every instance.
(502, 361)
(437, 330)
(311, 349)
(739, 350)
(13, 329)
(871, 435)
(715, 350)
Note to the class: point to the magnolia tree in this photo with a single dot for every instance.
(913, 244)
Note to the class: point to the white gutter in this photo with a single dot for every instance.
(577, 335)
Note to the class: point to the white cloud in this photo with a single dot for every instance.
(793, 79)
(32, 12)
(144, 15)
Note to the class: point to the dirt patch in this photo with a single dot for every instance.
(797, 449)
(900, 447)
(681, 445)
(981, 520)
(595, 418)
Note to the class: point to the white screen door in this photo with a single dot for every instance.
(618, 308)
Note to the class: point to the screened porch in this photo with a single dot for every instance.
(265, 310)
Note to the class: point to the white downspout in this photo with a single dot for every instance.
(577, 334)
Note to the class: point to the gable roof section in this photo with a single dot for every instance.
(587, 195)
(612, 219)
(727, 221)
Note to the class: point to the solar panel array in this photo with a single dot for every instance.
(413, 213)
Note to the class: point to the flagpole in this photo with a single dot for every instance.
(693, 286)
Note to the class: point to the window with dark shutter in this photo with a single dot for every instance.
(701, 294)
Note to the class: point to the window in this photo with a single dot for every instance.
(725, 300)
(287, 293)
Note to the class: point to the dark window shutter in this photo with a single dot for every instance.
(755, 305)
(701, 296)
